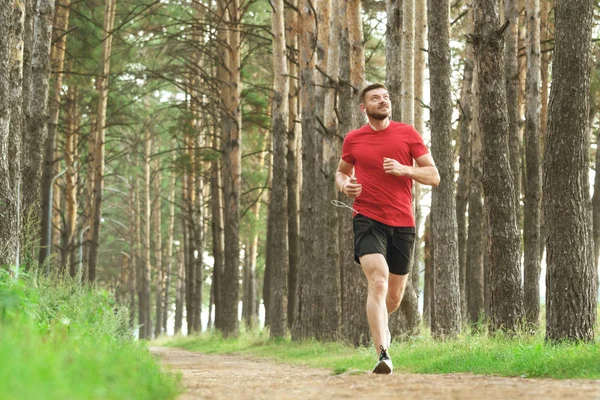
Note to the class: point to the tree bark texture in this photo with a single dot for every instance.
(498, 180)
(354, 328)
(393, 55)
(533, 185)
(476, 235)
(146, 246)
(444, 227)
(57, 58)
(462, 184)
(12, 15)
(232, 138)
(99, 148)
(571, 280)
(157, 246)
(318, 288)
(511, 62)
(278, 203)
(170, 261)
(36, 107)
(357, 55)
(71, 140)
(294, 169)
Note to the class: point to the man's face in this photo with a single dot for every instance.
(377, 104)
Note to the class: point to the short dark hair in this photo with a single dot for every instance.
(368, 88)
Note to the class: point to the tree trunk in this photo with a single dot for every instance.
(293, 165)
(142, 317)
(318, 290)
(157, 248)
(11, 79)
(443, 227)
(179, 291)
(36, 106)
(146, 262)
(571, 280)
(355, 327)
(71, 137)
(278, 203)
(428, 275)
(217, 234)
(393, 55)
(332, 146)
(133, 250)
(57, 57)
(249, 309)
(102, 87)
(533, 186)
(476, 235)
(462, 184)
(498, 180)
(232, 140)
(511, 49)
(545, 36)
(419, 123)
(188, 251)
(170, 239)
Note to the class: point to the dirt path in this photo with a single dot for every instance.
(236, 377)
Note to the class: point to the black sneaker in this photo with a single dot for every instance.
(384, 365)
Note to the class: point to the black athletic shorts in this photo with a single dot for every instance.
(394, 243)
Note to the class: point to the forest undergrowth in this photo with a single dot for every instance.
(62, 340)
(475, 351)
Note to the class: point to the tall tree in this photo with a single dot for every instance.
(278, 203)
(503, 234)
(57, 57)
(318, 288)
(571, 280)
(419, 123)
(157, 243)
(308, 322)
(170, 241)
(71, 141)
(12, 15)
(393, 55)
(99, 148)
(462, 184)
(533, 183)
(146, 276)
(444, 228)
(355, 327)
(293, 161)
(35, 98)
(512, 70)
(476, 235)
(232, 142)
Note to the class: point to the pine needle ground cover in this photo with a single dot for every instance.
(523, 355)
(59, 340)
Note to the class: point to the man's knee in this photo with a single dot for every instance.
(379, 284)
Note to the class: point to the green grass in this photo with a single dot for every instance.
(59, 340)
(524, 355)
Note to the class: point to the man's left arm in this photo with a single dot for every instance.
(426, 173)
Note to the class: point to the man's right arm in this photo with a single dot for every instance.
(344, 180)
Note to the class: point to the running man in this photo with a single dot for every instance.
(376, 170)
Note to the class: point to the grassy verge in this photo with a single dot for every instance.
(59, 340)
(526, 356)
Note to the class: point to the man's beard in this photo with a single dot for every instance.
(379, 115)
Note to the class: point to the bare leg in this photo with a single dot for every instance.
(376, 270)
(395, 293)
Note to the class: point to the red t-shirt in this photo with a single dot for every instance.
(385, 198)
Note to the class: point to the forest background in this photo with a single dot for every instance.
(181, 154)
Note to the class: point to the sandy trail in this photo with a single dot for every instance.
(238, 377)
